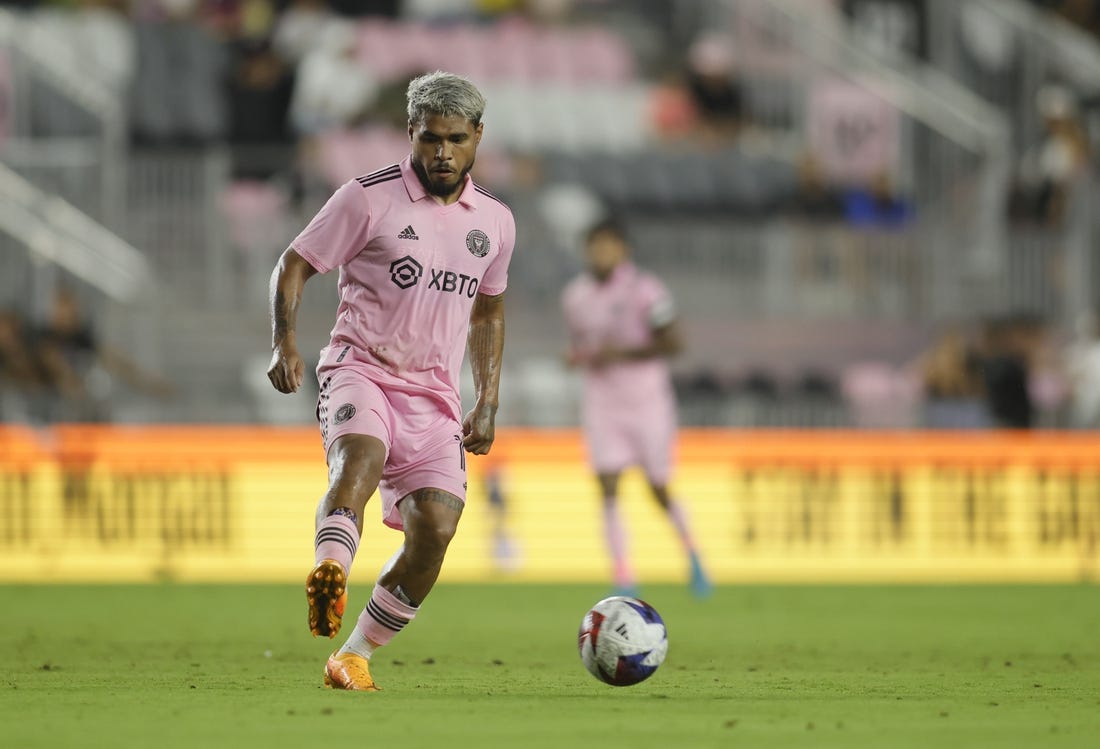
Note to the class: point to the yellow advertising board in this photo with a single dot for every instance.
(82, 503)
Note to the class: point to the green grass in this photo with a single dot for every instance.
(496, 666)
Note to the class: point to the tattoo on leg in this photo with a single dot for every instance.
(346, 512)
(438, 495)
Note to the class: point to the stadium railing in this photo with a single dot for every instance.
(1007, 51)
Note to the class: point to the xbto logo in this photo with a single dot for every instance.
(449, 281)
(406, 272)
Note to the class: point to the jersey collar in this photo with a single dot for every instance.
(622, 272)
(417, 192)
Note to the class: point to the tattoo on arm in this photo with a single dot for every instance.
(287, 282)
(486, 347)
(280, 324)
(439, 496)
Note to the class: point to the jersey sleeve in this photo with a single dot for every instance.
(658, 303)
(496, 276)
(339, 231)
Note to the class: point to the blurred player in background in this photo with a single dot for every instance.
(505, 550)
(622, 326)
(423, 254)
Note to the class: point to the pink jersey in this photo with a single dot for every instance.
(410, 269)
(623, 312)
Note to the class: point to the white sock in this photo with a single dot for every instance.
(359, 644)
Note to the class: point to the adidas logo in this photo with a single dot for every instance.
(408, 233)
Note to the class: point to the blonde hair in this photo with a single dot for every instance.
(444, 94)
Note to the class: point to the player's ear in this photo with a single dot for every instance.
(478, 131)
(410, 131)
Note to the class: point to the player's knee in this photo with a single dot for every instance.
(428, 545)
(435, 532)
(442, 530)
(355, 460)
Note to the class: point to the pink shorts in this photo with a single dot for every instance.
(423, 441)
(618, 438)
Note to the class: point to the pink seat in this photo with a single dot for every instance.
(254, 212)
(600, 56)
(511, 50)
(880, 395)
(346, 154)
(551, 55)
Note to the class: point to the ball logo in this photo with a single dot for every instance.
(405, 272)
(343, 413)
(477, 242)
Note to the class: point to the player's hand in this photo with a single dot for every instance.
(603, 357)
(287, 369)
(479, 429)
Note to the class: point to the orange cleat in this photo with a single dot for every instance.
(349, 671)
(327, 594)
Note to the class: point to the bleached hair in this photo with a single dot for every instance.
(444, 94)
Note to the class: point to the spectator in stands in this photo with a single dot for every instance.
(815, 198)
(877, 205)
(333, 88)
(1012, 350)
(1063, 156)
(715, 89)
(817, 208)
(20, 375)
(182, 64)
(439, 11)
(78, 367)
(1083, 370)
(259, 95)
(490, 8)
(300, 28)
(16, 359)
(952, 384)
(673, 110)
(1049, 171)
(890, 27)
(1084, 13)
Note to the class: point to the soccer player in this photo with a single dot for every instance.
(423, 253)
(622, 326)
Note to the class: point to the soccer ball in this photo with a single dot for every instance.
(622, 640)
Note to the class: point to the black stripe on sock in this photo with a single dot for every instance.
(337, 530)
(389, 621)
(339, 535)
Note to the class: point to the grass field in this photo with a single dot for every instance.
(496, 666)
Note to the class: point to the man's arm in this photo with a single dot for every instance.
(287, 282)
(664, 343)
(486, 347)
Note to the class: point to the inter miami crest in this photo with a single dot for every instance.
(343, 413)
(477, 242)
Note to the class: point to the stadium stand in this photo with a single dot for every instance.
(761, 200)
